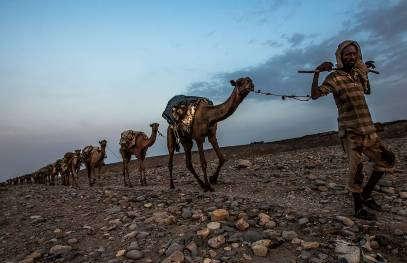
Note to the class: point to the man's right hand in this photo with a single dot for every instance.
(326, 66)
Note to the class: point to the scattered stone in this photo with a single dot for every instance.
(242, 164)
(388, 190)
(148, 205)
(260, 248)
(133, 246)
(198, 215)
(296, 241)
(176, 257)
(385, 183)
(219, 215)
(32, 257)
(186, 213)
(403, 195)
(217, 241)
(272, 234)
(289, 235)
(303, 221)
(142, 235)
(161, 218)
(252, 236)
(309, 245)
(398, 232)
(242, 225)
(347, 251)
(172, 248)
(37, 219)
(345, 220)
(264, 219)
(203, 233)
(134, 254)
(121, 253)
(322, 188)
(58, 233)
(60, 249)
(130, 235)
(114, 210)
(72, 241)
(132, 214)
(133, 226)
(212, 226)
(193, 249)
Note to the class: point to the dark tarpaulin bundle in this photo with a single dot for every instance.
(177, 100)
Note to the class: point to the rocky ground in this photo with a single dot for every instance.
(285, 207)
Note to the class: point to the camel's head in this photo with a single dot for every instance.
(243, 85)
(78, 153)
(103, 143)
(154, 126)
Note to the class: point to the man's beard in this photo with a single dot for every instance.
(349, 65)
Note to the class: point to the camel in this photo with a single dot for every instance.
(136, 143)
(93, 157)
(204, 125)
(72, 161)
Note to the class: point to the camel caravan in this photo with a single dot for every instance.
(190, 118)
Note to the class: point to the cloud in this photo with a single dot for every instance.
(296, 39)
(380, 31)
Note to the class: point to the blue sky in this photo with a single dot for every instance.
(73, 72)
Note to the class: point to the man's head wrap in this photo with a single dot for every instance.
(360, 66)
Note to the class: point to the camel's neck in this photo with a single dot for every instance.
(222, 111)
(152, 138)
(102, 152)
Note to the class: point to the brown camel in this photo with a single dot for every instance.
(93, 157)
(136, 143)
(204, 125)
(72, 161)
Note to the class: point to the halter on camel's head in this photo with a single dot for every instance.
(103, 142)
(243, 85)
(154, 126)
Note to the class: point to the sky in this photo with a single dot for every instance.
(72, 73)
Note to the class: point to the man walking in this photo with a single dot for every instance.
(348, 84)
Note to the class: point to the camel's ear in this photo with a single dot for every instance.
(233, 83)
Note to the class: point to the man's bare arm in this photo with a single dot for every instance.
(315, 91)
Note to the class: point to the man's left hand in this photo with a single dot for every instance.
(370, 64)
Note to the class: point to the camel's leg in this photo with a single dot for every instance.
(124, 171)
(124, 165)
(199, 143)
(171, 148)
(140, 171)
(74, 176)
(214, 178)
(188, 159)
(89, 169)
(143, 172)
(127, 170)
(99, 173)
(68, 176)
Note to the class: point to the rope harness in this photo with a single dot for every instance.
(283, 96)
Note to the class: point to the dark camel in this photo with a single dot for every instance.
(139, 149)
(93, 157)
(205, 125)
(72, 162)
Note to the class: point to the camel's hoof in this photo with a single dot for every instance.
(213, 180)
(172, 187)
(209, 189)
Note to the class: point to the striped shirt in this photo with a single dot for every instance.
(348, 92)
